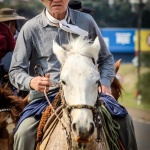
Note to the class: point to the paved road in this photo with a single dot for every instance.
(139, 114)
(142, 132)
(141, 121)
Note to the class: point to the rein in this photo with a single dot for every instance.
(5, 110)
(93, 108)
(68, 135)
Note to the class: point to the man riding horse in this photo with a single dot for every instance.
(34, 47)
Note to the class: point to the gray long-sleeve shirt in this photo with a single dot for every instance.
(34, 46)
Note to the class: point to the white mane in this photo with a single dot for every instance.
(80, 46)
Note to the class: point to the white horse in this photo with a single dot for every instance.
(80, 80)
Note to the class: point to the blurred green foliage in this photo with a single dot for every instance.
(29, 9)
(145, 86)
(145, 59)
(119, 14)
(129, 98)
(116, 15)
(145, 77)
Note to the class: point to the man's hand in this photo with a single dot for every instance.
(105, 90)
(40, 83)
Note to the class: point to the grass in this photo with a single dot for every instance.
(132, 102)
(128, 74)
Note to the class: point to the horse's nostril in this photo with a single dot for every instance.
(74, 127)
(91, 130)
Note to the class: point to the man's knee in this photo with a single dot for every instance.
(27, 129)
(22, 133)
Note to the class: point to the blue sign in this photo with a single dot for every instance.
(119, 39)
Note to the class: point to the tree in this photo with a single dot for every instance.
(117, 14)
(106, 15)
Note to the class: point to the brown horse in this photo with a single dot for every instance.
(116, 87)
(11, 106)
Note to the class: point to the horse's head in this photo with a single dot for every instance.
(79, 77)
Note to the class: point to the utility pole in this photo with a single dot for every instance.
(139, 10)
(140, 7)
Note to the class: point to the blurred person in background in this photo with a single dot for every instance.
(77, 5)
(9, 17)
(7, 44)
(9, 33)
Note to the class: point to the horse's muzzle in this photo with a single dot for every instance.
(82, 140)
(83, 134)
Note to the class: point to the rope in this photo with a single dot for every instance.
(5, 109)
(110, 128)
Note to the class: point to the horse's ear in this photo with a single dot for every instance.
(59, 52)
(117, 65)
(96, 48)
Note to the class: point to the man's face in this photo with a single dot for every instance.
(56, 7)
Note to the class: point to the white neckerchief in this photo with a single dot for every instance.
(66, 26)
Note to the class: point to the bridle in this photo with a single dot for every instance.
(80, 106)
(94, 109)
(5, 110)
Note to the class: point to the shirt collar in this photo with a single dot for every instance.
(45, 21)
(53, 21)
(72, 16)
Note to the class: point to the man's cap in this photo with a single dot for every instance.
(8, 14)
(77, 5)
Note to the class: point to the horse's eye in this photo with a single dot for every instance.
(63, 82)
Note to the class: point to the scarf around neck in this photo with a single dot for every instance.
(64, 24)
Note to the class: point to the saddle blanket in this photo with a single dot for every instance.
(36, 107)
